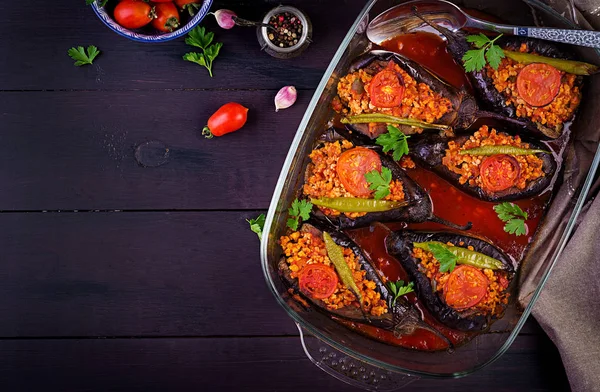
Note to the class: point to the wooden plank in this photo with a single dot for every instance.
(77, 150)
(38, 56)
(257, 364)
(134, 274)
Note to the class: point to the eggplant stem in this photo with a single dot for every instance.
(437, 219)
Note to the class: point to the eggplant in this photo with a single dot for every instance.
(487, 95)
(400, 245)
(402, 318)
(465, 108)
(419, 207)
(431, 149)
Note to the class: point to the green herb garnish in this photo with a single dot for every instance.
(200, 38)
(379, 182)
(257, 224)
(475, 59)
(446, 258)
(399, 289)
(299, 211)
(101, 3)
(514, 217)
(394, 140)
(81, 57)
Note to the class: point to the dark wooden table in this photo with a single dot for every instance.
(121, 277)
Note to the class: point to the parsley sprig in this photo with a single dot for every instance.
(514, 217)
(299, 211)
(81, 57)
(398, 289)
(199, 38)
(475, 59)
(379, 182)
(394, 140)
(257, 224)
(446, 258)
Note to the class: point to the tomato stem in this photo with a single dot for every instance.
(207, 133)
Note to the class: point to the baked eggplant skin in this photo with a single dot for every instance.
(400, 245)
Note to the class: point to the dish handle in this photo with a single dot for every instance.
(351, 370)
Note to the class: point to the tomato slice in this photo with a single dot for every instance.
(466, 287)
(499, 172)
(352, 166)
(386, 89)
(538, 84)
(318, 281)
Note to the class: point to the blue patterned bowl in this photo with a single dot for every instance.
(136, 35)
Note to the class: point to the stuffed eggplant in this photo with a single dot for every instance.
(490, 165)
(535, 81)
(330, 271)
(461, 280)
(353, 185)
(387, 88)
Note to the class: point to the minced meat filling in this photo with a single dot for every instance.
(495, 298)
(554, 114)
(323, 180)
(419, 102)
(467, 166)
(304, 248)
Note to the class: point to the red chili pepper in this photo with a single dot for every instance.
(229, 118)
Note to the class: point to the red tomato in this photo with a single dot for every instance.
(538, 84)
(190, 5)
(499, 172)
(318, 281)
(229, 118)
(466, 287)
(386, 89)
(133, 14)
(352, 167)
(167, 17)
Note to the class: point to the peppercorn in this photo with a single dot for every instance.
(288, 28)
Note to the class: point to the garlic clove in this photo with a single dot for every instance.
(285, 97)
(225, 18)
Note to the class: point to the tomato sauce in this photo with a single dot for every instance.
(429, 50)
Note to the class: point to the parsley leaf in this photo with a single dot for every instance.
(514, 217)
(379, 182)
(475, 59)
(446, 258)
(395, 140)
(398, 289)
(81, 57)
(257, 224)
(299, 211)
(200, 38)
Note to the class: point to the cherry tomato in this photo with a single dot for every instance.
(386, 89)
(229, 118)
(133, 14)
(352, 166)
(538, 84)
(465, 288)
(190, 5)
(318, 281)
(499, 172)
(167, 17)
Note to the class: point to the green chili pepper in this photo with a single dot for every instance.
(497, 150)
(354, 204)
(465, 256)
(570, 66)
(388, 119)
(336, 255)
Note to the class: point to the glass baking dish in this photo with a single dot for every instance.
(368, 363)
